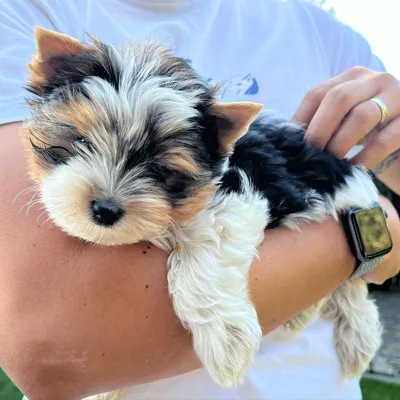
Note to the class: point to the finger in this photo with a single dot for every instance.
(314, 97)
(336, 105)
(369, 137)
(381, 146)
(359, 122)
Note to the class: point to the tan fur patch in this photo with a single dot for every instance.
(50, 44)
(156, 214)
(193, 204)
(37, 167)
(233, 120)
(38, 73)
(182, 159)
(80, 114)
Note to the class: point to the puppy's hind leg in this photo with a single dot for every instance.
(358, 331)
(303, 319)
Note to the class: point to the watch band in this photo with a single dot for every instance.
(366, 267)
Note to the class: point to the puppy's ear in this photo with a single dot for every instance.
(233, 121)
(49, 45)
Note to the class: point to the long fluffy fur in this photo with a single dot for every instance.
(136, 126)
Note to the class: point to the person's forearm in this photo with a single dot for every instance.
(296, 269)
(90, 319)
(116, 325)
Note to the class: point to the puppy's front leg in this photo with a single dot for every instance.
(212, 303)
(208, 281)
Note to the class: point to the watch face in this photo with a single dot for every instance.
(373, 232)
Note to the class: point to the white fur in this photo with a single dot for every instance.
(69, 189)
(358, 191)
(358, 331)
(208, 270)
(320, 208)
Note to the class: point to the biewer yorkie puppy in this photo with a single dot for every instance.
(129, 144)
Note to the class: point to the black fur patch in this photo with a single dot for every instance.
(284, 167)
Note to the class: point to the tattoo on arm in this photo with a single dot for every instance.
(386, 163)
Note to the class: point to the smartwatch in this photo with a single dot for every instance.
(368, 236)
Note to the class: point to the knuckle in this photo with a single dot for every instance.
(382, 143)
(357, 71)
(317, 94)
(387, 79)
(340, 96)
(361, 113)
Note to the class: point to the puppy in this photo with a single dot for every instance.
(129, 144)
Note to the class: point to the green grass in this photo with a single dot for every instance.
(372, 390)
(7, 390)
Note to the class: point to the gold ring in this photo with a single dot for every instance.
(383, 107)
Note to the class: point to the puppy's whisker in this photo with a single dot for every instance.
(47, 220)
(44, 212)
(29, 203)
(32, 204)
(26, 190)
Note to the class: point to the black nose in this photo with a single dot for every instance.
(106, 213)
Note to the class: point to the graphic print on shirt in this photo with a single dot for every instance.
(236, 85)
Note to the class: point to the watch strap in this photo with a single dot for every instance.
(365, 267)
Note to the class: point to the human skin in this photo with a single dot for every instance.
(338, 114)
(77, 319)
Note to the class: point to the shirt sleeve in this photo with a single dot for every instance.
(342, 46)
(354, 50)
(17, 21)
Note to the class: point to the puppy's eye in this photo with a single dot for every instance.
(57, 155)
(83, 142)
(161, 169)
(171, 178)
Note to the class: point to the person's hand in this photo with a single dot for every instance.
(338, 114)
(390, 266)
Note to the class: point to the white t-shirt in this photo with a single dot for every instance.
(268, 51)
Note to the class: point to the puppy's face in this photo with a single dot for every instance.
(123, 141)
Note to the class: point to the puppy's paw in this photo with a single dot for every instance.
(357, 339)
(302, 320)
(355, 350)
(227, 350)
(358, 331)
(296, 324)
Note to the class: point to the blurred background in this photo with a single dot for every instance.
(378, 22)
